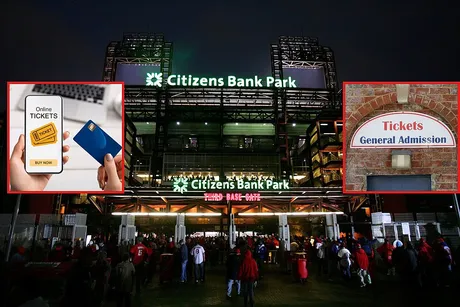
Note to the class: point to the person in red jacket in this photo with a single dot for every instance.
(425, 261)
(362, 262)
(386, 252)
(139, 254)
(248, 274)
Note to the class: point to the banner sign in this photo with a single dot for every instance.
(232, 196)
(403, 130)
(182, 185)
(156, 79)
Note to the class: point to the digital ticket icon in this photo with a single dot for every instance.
(44, 135)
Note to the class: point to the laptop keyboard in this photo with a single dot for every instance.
(82, 92)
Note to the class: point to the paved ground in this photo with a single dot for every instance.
(278, 289)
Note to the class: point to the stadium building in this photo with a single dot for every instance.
(231, 154)
(240, 144)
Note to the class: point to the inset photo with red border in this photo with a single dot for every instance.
(400, 137)
(65, 138)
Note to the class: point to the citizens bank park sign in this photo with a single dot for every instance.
(156, 79)
(403, 130)
(183, 185)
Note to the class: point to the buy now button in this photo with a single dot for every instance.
(44, 162)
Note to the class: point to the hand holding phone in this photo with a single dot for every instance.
(20, 180)
(43, 134)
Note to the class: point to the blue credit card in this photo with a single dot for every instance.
(96, 142)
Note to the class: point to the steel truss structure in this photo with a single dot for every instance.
(223, 105)
(226, 104)
(138, 48)
(301, 52)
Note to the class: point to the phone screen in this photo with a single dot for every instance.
(43, 134)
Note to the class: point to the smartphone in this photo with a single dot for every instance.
(43, 134)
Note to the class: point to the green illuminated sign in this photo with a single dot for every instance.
(182, 185)
(156, 79)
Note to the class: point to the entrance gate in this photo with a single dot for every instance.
(403, 225)
(413, 230)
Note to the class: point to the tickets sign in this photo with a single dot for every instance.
(403, 130)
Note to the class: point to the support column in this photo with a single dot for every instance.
(352, 224)
(14, 219)
(336, 226)
(457, 211)
(232, 235)
(378, 220)
(285, 237)
(78, 223)
(332, 227)
(127, 229)
(180, 231)
(285, 242)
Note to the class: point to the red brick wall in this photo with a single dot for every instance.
(364, 101)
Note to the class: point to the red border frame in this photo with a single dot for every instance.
(8, 188)
(344, 137)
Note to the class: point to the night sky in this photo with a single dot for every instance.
(373, 40)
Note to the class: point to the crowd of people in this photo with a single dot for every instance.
(418, 264)
(104, 266)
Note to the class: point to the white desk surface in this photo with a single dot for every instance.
(80, 173)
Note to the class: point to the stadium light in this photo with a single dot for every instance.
(289, 213)
(197, 214)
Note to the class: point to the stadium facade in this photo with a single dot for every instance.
(281, 132)
(225, 149)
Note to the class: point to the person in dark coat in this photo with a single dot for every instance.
(260, 252)
(233, 265)
(398, 257)
(410, 266)
(183, 260)
(425, 264)
(80, 283)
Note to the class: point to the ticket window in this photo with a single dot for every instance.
(399, 183)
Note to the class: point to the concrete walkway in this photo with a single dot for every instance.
(278, 289)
